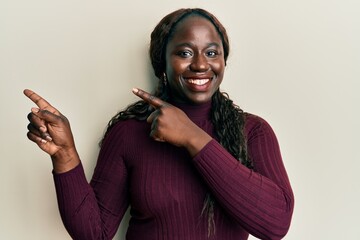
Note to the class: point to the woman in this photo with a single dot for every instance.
(207, 171)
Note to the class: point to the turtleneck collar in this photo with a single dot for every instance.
(195, 112)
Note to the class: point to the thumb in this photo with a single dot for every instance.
(46, 115)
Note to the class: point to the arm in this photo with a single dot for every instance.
(261, 200)
(95, 211)
(88, 211)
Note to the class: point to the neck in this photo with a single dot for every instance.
(195, 111)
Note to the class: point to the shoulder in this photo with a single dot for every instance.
(255, 125)
(254, 121)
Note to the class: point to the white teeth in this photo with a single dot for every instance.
(198, 82)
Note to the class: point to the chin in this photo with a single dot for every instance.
(200, 99)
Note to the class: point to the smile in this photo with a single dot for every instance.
(198, 82)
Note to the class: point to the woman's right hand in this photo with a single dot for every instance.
(51, 131)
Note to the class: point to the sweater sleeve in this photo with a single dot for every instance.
(261, 200)
(94, 211)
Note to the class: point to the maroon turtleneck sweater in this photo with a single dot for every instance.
(166, 188)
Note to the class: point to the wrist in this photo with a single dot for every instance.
(197, 142)
(64, 161)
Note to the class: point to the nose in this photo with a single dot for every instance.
(199, 63)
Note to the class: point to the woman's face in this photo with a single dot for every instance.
(194, 61)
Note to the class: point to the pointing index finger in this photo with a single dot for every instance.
(147, 97)
(39, 101)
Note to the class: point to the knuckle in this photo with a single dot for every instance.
(28, 134)
(45, 112)
(29, 116)
(141, 93)
(64, 118)
(30, 127)
(37, 98)
(31, 136)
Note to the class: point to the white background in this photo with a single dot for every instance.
(295, 63)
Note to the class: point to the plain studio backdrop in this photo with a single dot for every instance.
(295, 63)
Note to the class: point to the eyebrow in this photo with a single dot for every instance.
(187, 44)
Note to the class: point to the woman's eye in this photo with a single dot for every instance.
(211, 53)
(184, 54)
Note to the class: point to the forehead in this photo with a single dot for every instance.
(195, 27)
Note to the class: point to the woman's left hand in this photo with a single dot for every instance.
(170, 124)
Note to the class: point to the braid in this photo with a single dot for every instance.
(228, 120)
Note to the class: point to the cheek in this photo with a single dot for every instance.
(219, 67)
(176, 67)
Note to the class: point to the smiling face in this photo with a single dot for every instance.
(194, 61)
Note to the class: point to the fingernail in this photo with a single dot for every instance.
(43, 140)
(42, 128)
(35, 110)
(48, 138)
(135, 90)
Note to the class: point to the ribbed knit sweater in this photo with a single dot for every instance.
(166, 188)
